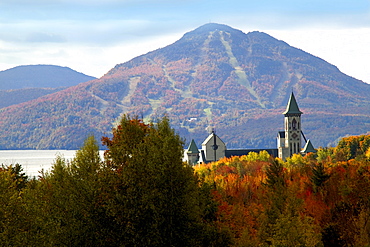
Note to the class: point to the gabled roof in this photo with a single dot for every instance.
(192, 149)
(292, 107)
(308, 148)
(210, 137)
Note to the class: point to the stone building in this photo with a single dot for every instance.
(289, 141)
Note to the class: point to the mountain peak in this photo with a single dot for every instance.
(212, 27)
(40, 76)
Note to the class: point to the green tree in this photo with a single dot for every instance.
(156, 194)
(275, 176)
(274, 199)
(66, 202)
(19, 176)
(10, 208)
(319, 176)
(295, 230)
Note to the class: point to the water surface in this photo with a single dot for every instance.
(34, 161)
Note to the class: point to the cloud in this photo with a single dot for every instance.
(346, 48)
(38, 37)
(65, 31)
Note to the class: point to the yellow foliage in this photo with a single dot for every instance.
(368, 153)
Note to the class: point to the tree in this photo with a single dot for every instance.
(319, 176)
(368, 153)
(19, 176)
(275, 176)
(66, 203)
(11, 213)
(295, 230)
(353, 146)
(275, 197)
(155, 199)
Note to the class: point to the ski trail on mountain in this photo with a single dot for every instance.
(243, 79)
(133, 81)
(184, 93)
(281, 86)
(125, 102)
(104, 103)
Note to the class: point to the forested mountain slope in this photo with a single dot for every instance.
(213, 77)
(28, 82)
(40, 76)
(17, 96)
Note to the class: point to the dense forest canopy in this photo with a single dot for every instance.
(142, 194)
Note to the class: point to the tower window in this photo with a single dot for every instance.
(294, 124)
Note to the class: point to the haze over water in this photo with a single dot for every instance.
(33, 161)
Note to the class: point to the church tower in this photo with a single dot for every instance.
(192, 153)
(289, 140)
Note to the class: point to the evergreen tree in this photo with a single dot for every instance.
(275, 176)
(275, 198)
(68, 211)
(319, 176)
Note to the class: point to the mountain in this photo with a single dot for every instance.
(213, 77)
(40, 76)
(17, 96)
(28, 82)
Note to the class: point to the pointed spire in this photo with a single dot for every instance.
(192, 149)
(292, 107)
(308, 148)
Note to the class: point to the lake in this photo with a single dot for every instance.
(34, 161)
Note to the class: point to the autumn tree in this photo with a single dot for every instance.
(156, 194)
(353, 146)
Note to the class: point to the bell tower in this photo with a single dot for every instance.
(292, 130)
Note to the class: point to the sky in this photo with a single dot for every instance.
(92, 36)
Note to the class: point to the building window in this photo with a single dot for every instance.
(294, 124)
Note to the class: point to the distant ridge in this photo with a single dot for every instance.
(40, 76)
(214, 76)
(17, 96)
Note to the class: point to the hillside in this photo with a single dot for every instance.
(17, 96)
(28, 82)
(214, 76)
(40, 76)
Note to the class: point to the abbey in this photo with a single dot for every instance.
(289, 141)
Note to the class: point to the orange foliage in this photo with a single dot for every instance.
(242, 202)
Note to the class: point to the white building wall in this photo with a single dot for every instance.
(207, 146)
